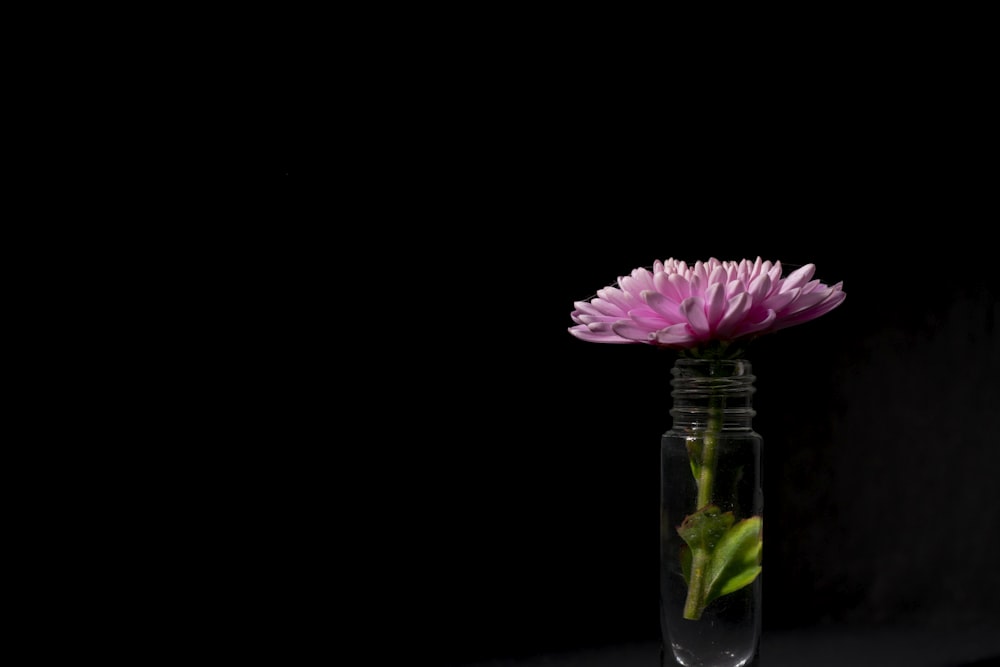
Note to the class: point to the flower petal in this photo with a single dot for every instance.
(718, 275)
(631, 286)
(606, 307)
(672, 286)
(798, 277)
(697, 285)
(581, 317)
(583, 333)
(832, 300)
(715, 304)
(684, 306)
(678, 335)
(760, 287)
(633, 331)
(663, 306)
(736, 310)
(773, 270)
(615, 296)
(600, 328)
(694, 310)
(585, 307)
(642, 278)
(778, 301)
(748, 327)
(804, 302)
(648, 319)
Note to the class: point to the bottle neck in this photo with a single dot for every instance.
(712, 393)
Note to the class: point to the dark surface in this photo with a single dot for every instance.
(974, 647)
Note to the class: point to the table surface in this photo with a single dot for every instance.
(971, 647)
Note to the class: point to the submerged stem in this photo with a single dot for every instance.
(710, 442)
(696, 597)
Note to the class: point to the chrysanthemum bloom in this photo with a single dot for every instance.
(708, 304)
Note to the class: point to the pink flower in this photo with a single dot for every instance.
(682, 307)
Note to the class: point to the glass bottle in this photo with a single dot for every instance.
(711, 520)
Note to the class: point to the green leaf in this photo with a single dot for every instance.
(735, 561)
(727, 556)
(737, 582)
(705, 528)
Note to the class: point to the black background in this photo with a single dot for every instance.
(510, 493)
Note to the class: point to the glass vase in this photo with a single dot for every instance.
(711, 518)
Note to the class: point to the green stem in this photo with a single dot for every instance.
(695, 603)
(693, 606)
(710, 442)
